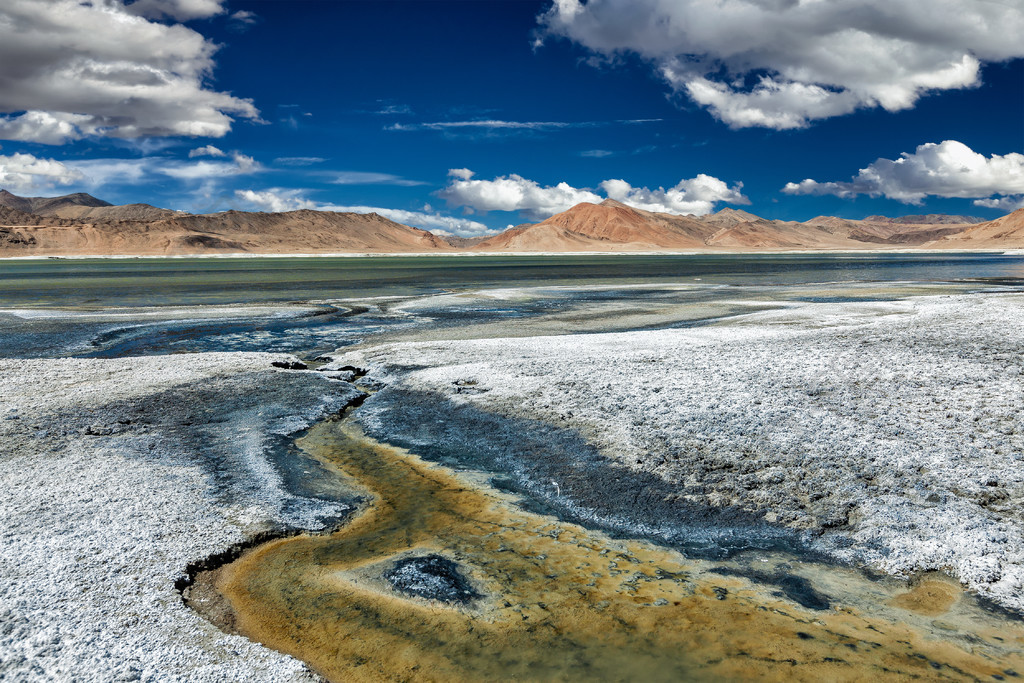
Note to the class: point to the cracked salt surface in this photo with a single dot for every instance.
(119, 473)
(883, 434)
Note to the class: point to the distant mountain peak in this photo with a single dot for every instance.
(926, 219)
(49, 205)
(83, 199)
(611, 203)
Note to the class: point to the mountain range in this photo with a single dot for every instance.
(80, 224)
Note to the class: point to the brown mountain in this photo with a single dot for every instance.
(613, 226)
(84, 206)
(926, 219)
(83, 225)
(295, 232)
(608, 226)
(48, 206)
(81, 205)
(1002, 233)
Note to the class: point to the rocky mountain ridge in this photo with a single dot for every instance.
(80, 224)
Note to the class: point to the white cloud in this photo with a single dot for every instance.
(242, 20)
(498, 125)
(240, 164)
(946, 169)
(367, 178)
(206, 151)
(45, 127)
(394, 110)
(23, 173)
(275, 199)
(515, 193)
(298, 161)
(96, 173)
(180, 10)
(71, 69)
(696, 196)
(434, 221)
(783, 63)
(486, 123)
(1011, 203)
(278, 199)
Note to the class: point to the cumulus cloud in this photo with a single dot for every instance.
(946, 169)
(695, 195)
(206, 151)
(1007, 204)
(71, 69)
(278, 199)
(275, 199)
(514, 193)
(45, 127)
(23, 173)
(783, 63)
(433, 221)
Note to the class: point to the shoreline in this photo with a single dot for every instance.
(472, 254)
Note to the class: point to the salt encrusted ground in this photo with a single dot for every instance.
(886, 434)
(115, 474)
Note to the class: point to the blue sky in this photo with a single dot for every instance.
(473, 115)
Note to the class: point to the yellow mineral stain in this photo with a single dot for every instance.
(931, 595)
(561, 602)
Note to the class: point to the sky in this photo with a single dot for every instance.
(468, 117)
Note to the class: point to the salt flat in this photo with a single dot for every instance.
(119, 473)
(886, 434)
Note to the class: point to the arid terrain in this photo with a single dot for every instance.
(81, 225)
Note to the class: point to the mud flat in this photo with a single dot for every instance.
(882, 434)
(116, 475)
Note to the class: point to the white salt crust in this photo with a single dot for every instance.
(890, 434)
(101, 517)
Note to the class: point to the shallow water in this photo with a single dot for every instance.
(310, 306)
(559, 602)
(209, 281)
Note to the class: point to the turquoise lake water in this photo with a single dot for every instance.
(312, 305)
(97, 283)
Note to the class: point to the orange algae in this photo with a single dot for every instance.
(560, 602)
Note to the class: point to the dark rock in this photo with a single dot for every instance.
(432, 577)
(289, 365)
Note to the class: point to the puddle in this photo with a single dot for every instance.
(440, 576)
